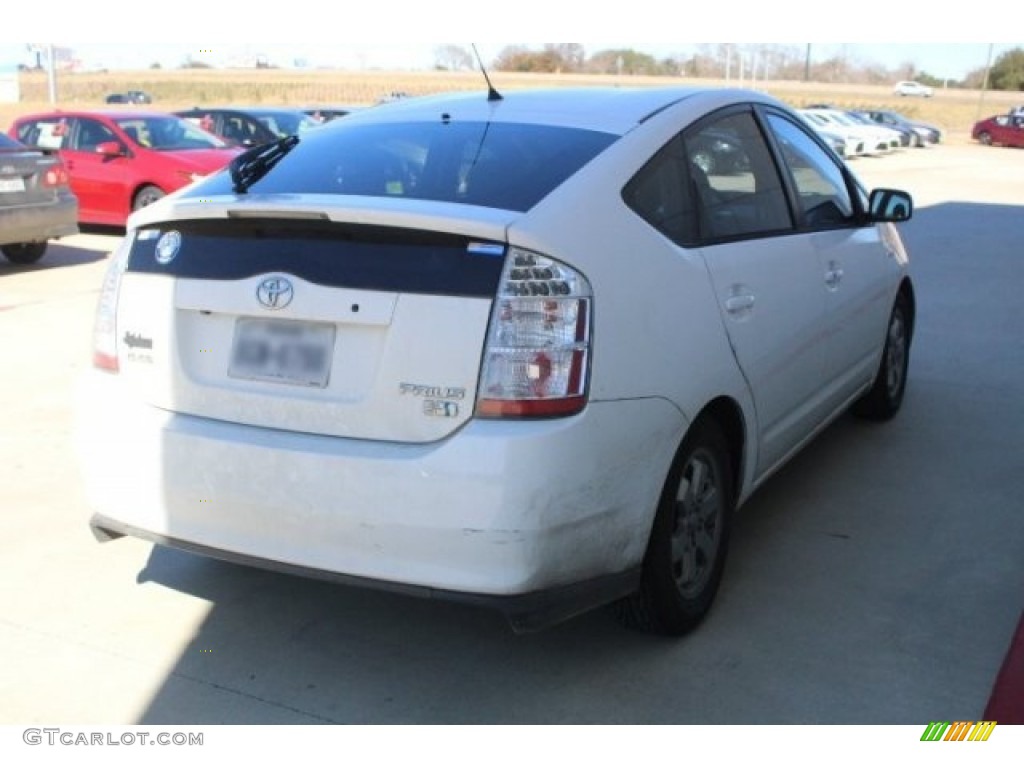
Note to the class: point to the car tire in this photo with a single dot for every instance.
(24, 253)
(147, 195)
(885, 397)
(686, 552)
(985, 138)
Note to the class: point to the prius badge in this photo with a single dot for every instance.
(275, 293)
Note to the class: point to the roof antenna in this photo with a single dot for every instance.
(492, 95)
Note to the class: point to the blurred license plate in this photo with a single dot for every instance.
(12, 185)
(282, 351)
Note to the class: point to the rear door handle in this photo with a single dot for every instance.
(737, 305)
(834, 275)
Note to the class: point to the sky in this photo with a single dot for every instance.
(324, 33)
(951, 61)
(945, 61)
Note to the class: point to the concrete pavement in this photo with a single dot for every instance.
(877, 579)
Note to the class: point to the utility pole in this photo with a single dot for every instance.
(984, 83)
(807, 65)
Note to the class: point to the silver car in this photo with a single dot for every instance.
(36, 201)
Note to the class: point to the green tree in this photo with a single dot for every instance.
(1007, 74)
(553, 57)
(569, 56)
(623, 61)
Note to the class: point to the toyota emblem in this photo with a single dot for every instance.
(275, 293)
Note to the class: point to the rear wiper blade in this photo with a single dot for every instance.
(253, 164)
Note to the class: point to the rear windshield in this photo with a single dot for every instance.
(286, 123)
(167, 132)
(504, 165)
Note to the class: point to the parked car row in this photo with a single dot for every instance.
(63, 168)
(869, 132)
(850, 133)
(119, 162)
(922, 134)
(114, 162)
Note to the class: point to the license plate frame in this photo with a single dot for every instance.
(14, 184)
(296, 353)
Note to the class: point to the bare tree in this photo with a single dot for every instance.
(570, 56)
(452, 57)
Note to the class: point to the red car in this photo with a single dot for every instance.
(1000, 129)
(121, 161)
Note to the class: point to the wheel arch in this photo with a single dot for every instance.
(728, 416)
(906, 290)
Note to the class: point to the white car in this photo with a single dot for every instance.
(911, 88)
(879, 138)
(857, 143)
(870, 139)
(518, 351)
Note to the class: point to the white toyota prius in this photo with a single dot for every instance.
(515, 350)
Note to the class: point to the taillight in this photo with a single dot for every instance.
(56, 176)
(104, 334)
(536, 362)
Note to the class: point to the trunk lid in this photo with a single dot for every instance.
(22, 175)
(299, 323)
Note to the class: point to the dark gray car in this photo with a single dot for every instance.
(924, 133)
(36, 203)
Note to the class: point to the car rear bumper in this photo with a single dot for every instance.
(540, 519)
(33, 223)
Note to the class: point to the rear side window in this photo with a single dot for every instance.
(47, 133)
(716, 181)
(741, 194)
(661, 194)
(497, 165)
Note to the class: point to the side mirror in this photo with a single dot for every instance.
(110, 149)
(890, 205)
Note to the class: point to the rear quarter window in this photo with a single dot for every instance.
(508, 166)
(49, 134)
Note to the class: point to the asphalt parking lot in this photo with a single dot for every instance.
(877, 579)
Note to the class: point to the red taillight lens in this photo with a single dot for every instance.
(104, 354)
(57, 176)
(536, 362)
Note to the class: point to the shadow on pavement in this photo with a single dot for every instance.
(57, 255)
(875, 579)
